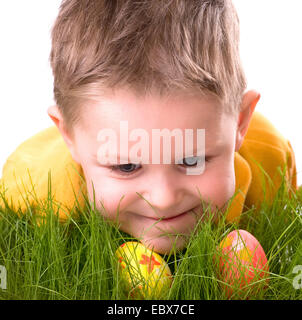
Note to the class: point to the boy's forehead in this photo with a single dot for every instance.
(125, 113)
(181, 110)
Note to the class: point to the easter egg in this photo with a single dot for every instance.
(243, 266)
(145, 273)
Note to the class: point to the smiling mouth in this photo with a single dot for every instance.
(174, 218)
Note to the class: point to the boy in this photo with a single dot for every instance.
(152, 65)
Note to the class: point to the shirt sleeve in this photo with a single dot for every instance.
(42, 167)
(270, 157)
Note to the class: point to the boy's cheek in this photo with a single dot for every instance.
(218, 188)
(223, 183)
(109, 197)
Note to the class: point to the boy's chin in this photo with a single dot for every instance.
(165, 244)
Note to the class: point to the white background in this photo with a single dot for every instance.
(271, 52)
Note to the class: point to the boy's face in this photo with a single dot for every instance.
(156, 202)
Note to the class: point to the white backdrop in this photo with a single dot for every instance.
(271, 52)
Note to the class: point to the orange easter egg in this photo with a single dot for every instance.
(243, 264)
(145, 273)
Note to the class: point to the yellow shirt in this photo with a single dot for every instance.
(26, 171)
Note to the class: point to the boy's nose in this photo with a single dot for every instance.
(165, 197)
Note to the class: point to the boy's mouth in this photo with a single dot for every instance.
(175, 217)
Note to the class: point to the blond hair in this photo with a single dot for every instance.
(158, 45)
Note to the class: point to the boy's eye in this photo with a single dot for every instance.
(192, 161)
(127, 168)
(130, 168)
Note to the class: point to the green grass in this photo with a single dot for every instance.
(76, 260)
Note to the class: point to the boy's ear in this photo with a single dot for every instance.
(248, 105)
(56, 116)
